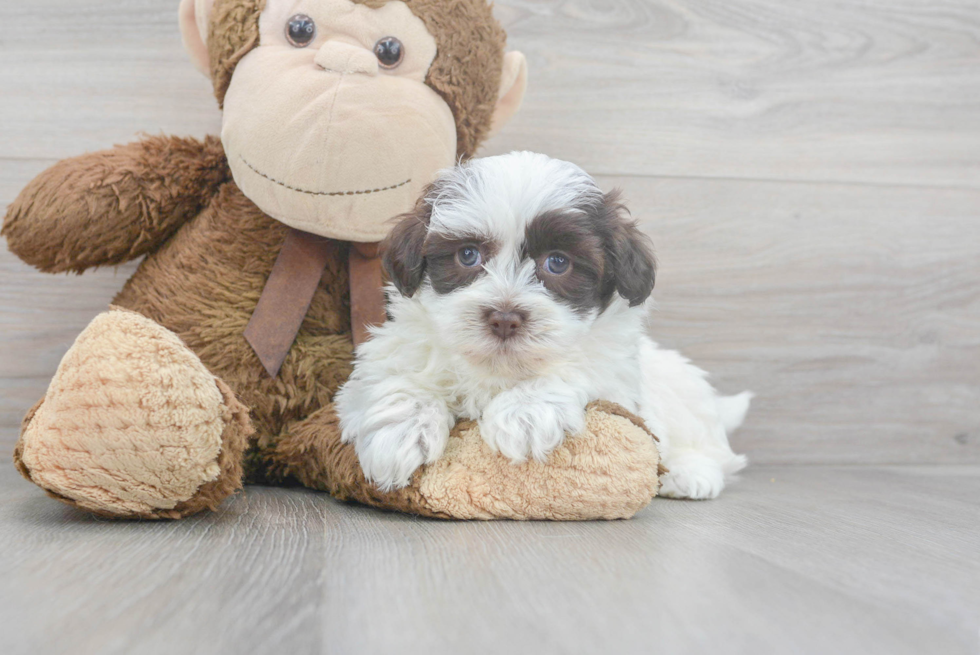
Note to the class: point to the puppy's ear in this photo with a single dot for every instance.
(629, 252)
(404, 249)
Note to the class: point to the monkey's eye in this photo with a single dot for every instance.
(469, 256)
(300, 30)
(557, 263)
(389, 52)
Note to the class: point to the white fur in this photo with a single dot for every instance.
(435, 361)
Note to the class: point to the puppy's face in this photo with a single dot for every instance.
(514, 257)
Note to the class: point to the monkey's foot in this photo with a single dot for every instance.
(134, 426)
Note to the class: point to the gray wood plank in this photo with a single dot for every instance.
(245, 580)
(871, 91)
(853, 312)
(791, 560)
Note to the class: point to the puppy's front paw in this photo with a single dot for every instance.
(692, 475)
(391, 453)
(517, 426)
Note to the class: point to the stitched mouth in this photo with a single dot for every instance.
(360, 192)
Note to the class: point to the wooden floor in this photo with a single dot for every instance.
(793, 560)
(810, 173)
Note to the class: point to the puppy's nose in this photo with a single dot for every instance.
(505, 324)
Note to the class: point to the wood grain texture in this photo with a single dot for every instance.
(852, 311)
(244, 580)
(801, 560)
(809, 172)
(871, 91)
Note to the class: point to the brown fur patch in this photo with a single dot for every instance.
(108, 207)
(607, 250)
(580, 239)
(633, 266)
(19, 448)
(466, 71)
(402, 253)
(446, 273)
(232, 34)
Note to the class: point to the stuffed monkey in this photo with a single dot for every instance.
(219, 359)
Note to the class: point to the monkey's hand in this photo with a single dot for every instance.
(108, 207)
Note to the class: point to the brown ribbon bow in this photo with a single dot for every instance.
(289, 291)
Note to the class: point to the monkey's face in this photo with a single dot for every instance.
(328, 124)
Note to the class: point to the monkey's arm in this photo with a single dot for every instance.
(108, 207)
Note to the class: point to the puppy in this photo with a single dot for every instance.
(518, 297)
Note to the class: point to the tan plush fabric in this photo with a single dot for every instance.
(140, 432)
(364, 145)
(466, 71)
(609, 472)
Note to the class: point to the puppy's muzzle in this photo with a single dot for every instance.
(505, 324)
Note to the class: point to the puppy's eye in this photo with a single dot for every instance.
(469, 256)
(300, 30)
(389, 52)
(557, 264)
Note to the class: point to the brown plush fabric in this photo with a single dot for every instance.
(204, 285)
(112, 206)
(233, 32)
(465, 72)
(234, 441)
(19, 447)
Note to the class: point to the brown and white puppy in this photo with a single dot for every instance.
(518, 298)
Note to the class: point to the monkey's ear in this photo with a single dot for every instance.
(513, 84)
(403, 251)
(194, 17)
